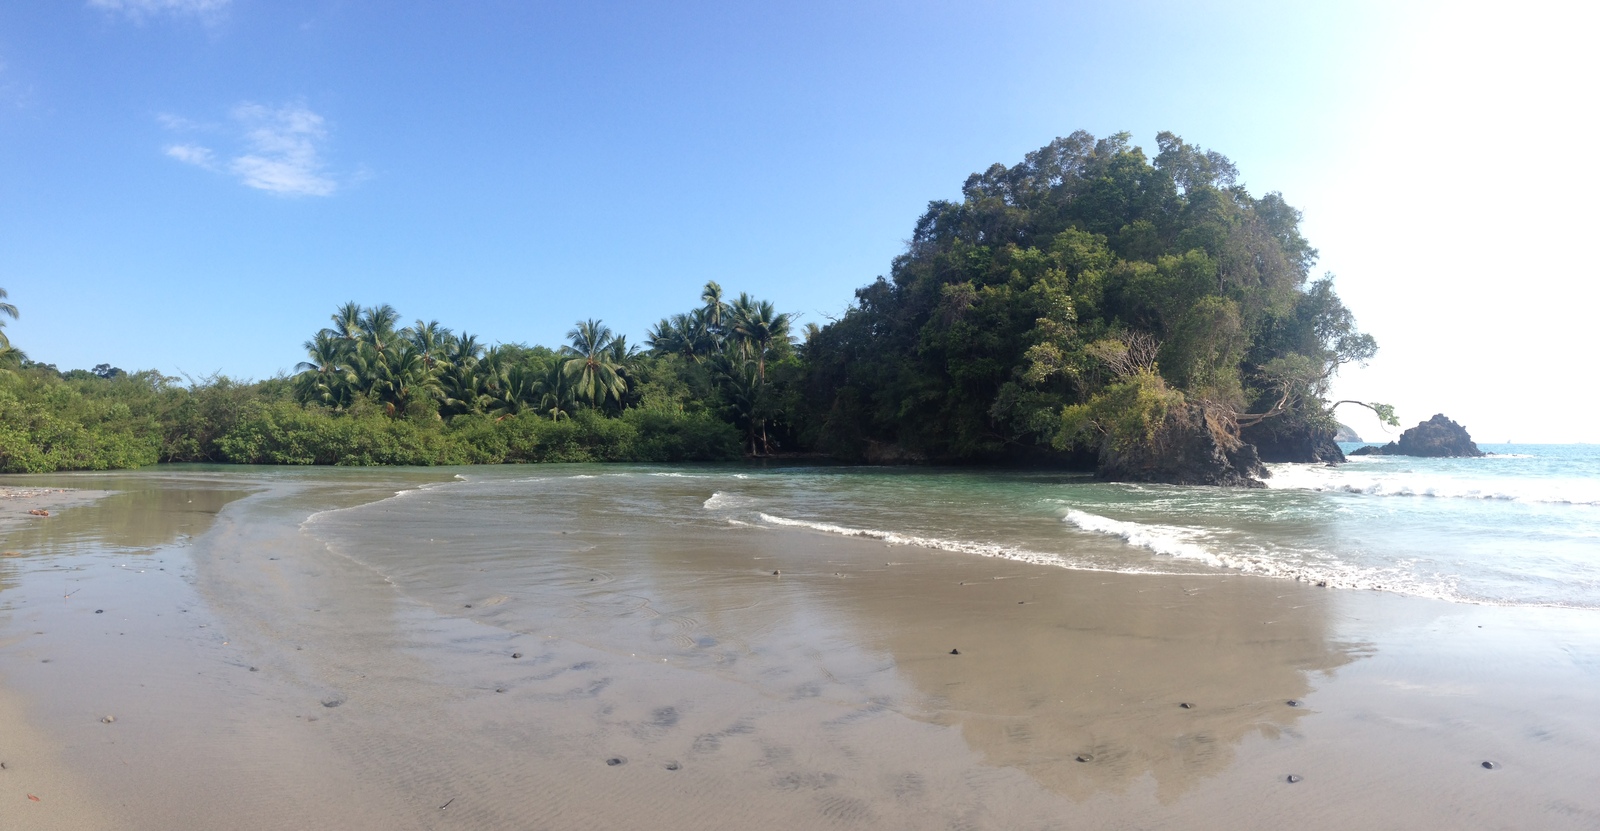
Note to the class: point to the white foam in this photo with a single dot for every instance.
(1374, 480)
(721, 501)
(1169, 540)
(981, 549)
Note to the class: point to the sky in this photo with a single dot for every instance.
(193, 186)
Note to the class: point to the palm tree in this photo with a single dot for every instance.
(743, 392)
(518, 390)
(9, 311)
(591, 368)
(430, 339)
(401, 378)
(714, 308)
(377, 326)
(757, 326)
(347, 322)
(555, 393)
(324, 378)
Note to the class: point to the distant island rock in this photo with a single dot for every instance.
(1437, 437)
(1345, 433)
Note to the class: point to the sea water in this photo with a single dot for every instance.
(1520, 526)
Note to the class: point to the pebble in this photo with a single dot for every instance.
(616, 760)
(332, 702)
(108, 719)
(955, 652)
(516, 654)
(776, 573)
(99, 611)
(253, 669)
(1186, 705)
(499, 689)
(1084, 757)
(1291, 779)
(673, 766)
(1293, 702)
(1488, 765)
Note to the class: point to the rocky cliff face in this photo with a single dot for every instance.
(1277, 442)
(1189, 449)
(1438, 437)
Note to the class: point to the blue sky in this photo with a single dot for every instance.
(193, 185)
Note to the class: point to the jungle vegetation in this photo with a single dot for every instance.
(1074, 302)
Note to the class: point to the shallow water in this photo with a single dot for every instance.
(1520, 527)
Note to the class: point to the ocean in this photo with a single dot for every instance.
(1519, 527)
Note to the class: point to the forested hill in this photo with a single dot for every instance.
(1089, 305)
(1089, 296)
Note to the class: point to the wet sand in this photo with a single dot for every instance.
(645, 674)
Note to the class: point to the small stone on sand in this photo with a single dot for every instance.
(955, 652)
(673, 766)
(1487, 765)
(516, 654)
(332, 702)
(616, 760)
(108, 719)
(1186, 705)
(1084, 757)
(99, 611)
(1291, 779)
(1292, 702)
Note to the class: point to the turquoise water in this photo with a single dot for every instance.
(1519, 527)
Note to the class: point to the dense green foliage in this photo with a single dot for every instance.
(1078, 298)
(1077, 301)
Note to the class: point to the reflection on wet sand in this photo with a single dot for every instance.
(1054, 665)
(141, 514)
(1091, 684)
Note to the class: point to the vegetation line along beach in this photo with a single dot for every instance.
(1092, 306)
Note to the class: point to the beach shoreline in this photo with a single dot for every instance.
(266, 672)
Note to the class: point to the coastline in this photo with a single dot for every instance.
(825, 695)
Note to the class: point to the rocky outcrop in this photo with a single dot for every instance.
(1190, 448)
(1276, 441)
(1346, 433)
(1438, 437)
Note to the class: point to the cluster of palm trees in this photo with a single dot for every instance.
(426, 367)
(734, 341)
(745, 331)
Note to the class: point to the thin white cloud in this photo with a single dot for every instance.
(278, 149)
(141, 8)
(194, 154)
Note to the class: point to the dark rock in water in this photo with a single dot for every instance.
(1190, 448)
(1438, 437)
(1279, 442)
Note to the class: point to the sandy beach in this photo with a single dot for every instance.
(184, 649)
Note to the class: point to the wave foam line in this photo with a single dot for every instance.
(1004, 552)
(1168, 540)
(1325, 480)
